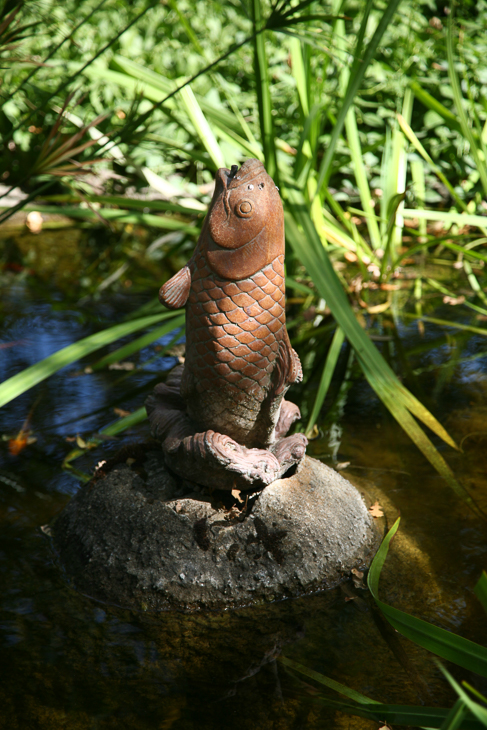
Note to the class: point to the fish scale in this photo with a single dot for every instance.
(234, 332)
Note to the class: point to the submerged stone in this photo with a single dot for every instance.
(149, 540)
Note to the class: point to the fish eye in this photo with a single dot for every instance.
(244, 209)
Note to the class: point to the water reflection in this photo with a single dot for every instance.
(69, 662)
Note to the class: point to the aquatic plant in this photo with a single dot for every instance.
(467, 712)
(302, 117)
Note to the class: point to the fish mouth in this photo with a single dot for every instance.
(233, 178)
(236, 176)
(249, 170)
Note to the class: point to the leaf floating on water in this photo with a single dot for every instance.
(453, 301)
(120, 412)
(378, 308)
(122, 366)
(342, 465)
(376, 510)
(18, 444)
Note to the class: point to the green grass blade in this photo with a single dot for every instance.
(202, 127)
(461, 219)
(361, 178)
(122, 424)
(436, 285)
(309, 249)
(353, 141)
(478, 711)
(328, 682)
(431, 103)
(394, 395)
(118, 426)
(140, 342)
(443, 643)
(356, 76)
(406, 128)
(158, 83)
(449, 323)
(419, 186)
(455, 717)
(363, 706)
(119, 200)
(480, 590)
(120, 216)
(300, 76)
(155, 87)
(263, 86)
(34, 374)
(459, 104)
(326, 376)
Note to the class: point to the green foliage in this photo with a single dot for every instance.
(26, 379)
(165, 97)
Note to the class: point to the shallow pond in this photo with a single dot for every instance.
(69, 662)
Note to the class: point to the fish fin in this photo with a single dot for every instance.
(174, 293)
(288, 368)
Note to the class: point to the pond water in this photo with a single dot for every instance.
(67, 661)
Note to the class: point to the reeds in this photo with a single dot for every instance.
(214, 133)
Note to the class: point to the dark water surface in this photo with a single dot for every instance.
(69, 662)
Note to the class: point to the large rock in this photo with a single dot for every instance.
(147, 540)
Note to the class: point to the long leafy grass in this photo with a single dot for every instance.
(467, 712)
(194, 116)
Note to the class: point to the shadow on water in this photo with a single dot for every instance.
(69, 662)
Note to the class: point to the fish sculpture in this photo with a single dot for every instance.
(222, 417)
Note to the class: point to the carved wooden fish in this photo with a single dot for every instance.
(239, 361)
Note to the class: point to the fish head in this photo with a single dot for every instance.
(245, 220)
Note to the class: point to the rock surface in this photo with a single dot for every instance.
(148, 540)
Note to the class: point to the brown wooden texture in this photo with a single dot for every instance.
(239, 361)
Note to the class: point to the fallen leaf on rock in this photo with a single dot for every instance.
(376, 510)
(236, 495)
(357, 578)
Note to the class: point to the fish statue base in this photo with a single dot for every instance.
(222, 418)
(214, 459)
(140, 537)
